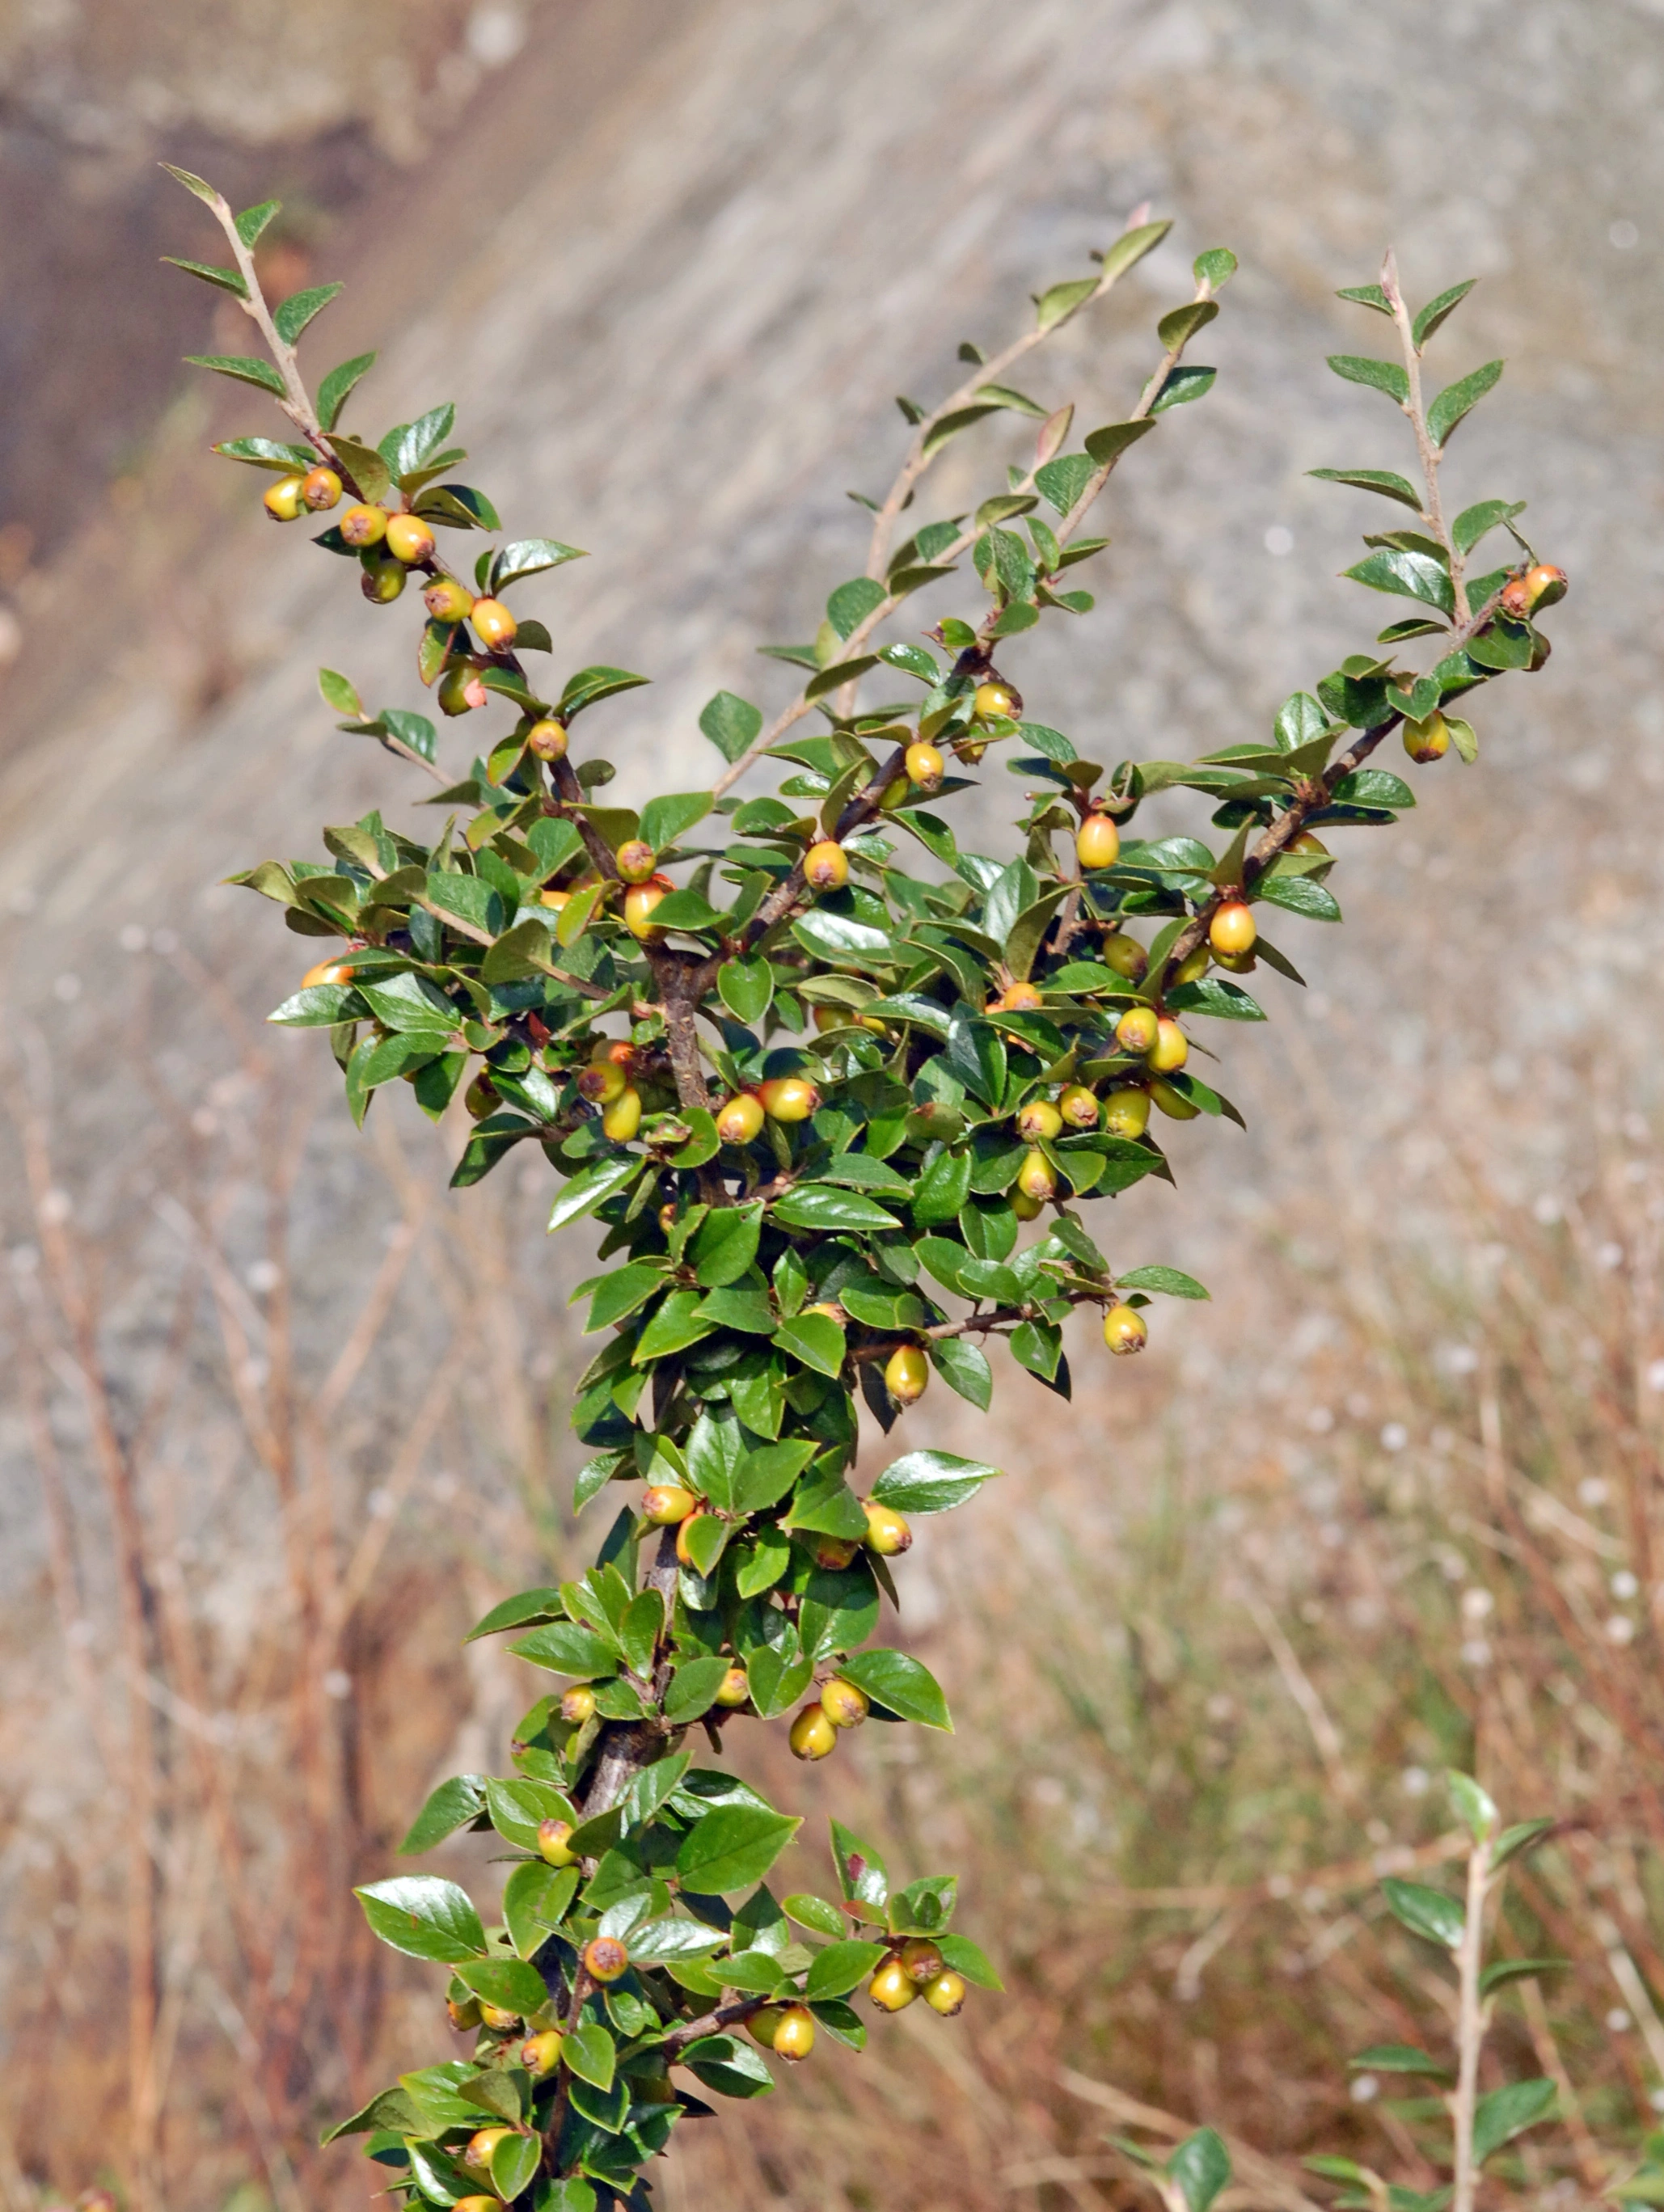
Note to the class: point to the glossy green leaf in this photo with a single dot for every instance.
(930, 1482)
(902, 1684)
(725, 1244)
(964, 1369)
(1436, 311)
(1183, 385)
(591, 2054)
(862, 1876)
(1412, 575)
(1201, 2168)
(1109, 443)
(590, 1188)
(338, 386)
(1169, 1279)
(731, 723)
(292, 317)
(1459, 399)
(450, 1807)
(963, 1956)
(1177, 329)
(1430, 1913)
(731, 1848)
(693, 1688)
(842, 1967)
(424, 1916)
(514, 2162)
(1387, 481)
(822, 1206)
(246, 368)
(510, 1983)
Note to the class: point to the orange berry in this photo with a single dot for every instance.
(892, 1987)
(665, 1504)
(320, 487)
(606, 1959)
(826, 866)
(494, 625)
(555, 900)
(789, 1098)
(409, 540)
(327, 972)
(794, 2033)
(364, 525)
(1098, 842)
(1017, 999)
(921, 1958)
(602, 1081)
(740, 1121)
(640, 901)
(906, 1374)
(282, 501)
(1124, 1330)
(1231, 928)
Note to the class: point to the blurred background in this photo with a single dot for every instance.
(282, 1416)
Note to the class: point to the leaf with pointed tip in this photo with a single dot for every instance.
(1388, 376)
(1436, 311)
(243, 366)
(267, 453)
(1177, 329)
(424, 1916)
(204, 193)
(1508, 2112)
(225, 280)
(252, 222)
(1459, 399)
(1201, 2167)
(1183, 385)
(298, 310)
(1387, 481)
(1368, 295)
(334, 392)
(1130, 248)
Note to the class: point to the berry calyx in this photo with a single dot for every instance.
(282, 501)
(1126, 956)
(666, 1504)
(606, 1959)
(1137, 1030)
(789, 1098)
(1173, 1103)
(446, 600)
(734, 1690)
(993, 702)
(1039, 1118)
(844, 1705)
(1171, 1048)
(832, 1553)
(1035, 1178)
(813, 1736)
(494, 625)
(327, 972)
(546, 739)
(480, 2146)
(892, 1987)
(1231, 928)
(459, 689)
(541, 2054)
(363, 525)
(1429, 740)
(624, 1117)
(1079, 1107)
(1098, 842)
(921, 1958)
(499, 2017)
(926, 766)
(578, 1705)
(635, 861)
(740, 1121)
(945, 1994)
(382, 581)
(683, 1534)
(826, 866)
(1125, 1330)
(409, 540)
(602, 1081)
(887, 1533)
(1126, 1112)
(1017, 999)
(794, 2033)
(320, 487)
(553, 1838)
(640, 901)
(906, 1374)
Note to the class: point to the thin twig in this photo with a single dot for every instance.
(1433, 512)
(1471, 2023)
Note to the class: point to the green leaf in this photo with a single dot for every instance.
(514, 2160)
(902, 1684)
(1181, 384)
(510, 1983)
(1412, 575)
(965, 1369)
(1299, 895)
(244, 367)
(963, 1956)
(1473, 1804)
(298, 310)
(338, 387)
(1388, 376)
(591, 2054)
(1129, 249)
(930, 1482)
(1201, 2167)
(1436, 310)
(851, 604)
(1396, 2058)
(1212, 994)
(822, 1206)
(777, 1678)
(1161, 1278)
(1429, 1913)
(1501, 1970)
(590, 1188)
(814, 1912)
(424, 1916)
(534, 1898)
(1387, 481)
(1178, 329)
(1460, 398)
(450, 1807)
(1508, 2112)
(267, 453)
(250, 224)
(861, 1874)
(1059, 301)
(731, 723)
(565, 1649)
(1215, 268)
(1064, 480)
(204, 193)
(1523, 1835)
(1109, 443)
(1474, 523)
(727, 1244)
(1368, 295)
(815, 1341)
(746, 987)
(226, 280)
(731, 1848)
(530, 556)
(693, 1686)
(339, 694)
(841, 1967)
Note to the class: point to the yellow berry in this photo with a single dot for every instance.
(446, 600)
(578, 1705)
(320, 487)
(1017, 999)
(635, 861)
(499, 2017)
(833, 1552)
(1173, 1103)
(1193, 967)
(887, 1533)
(993, 702)
(1034, 1178)
(892, 1987)
(606, 1959)
(1171, 1048)
(735, 1688)
(684, 1537)
(1039, 1118)
(666, 1504)
(1024, 1207)
(1126, 1112)
(1079, 1107)
(1231, 928)
(826, 866)
(463, 2013)
(1098, 842)
(282, 501)
(541, 2054)
(493, 626)
(1126, 956)
(789, 1098)
(546, 739)
(553, 1838)
(478, 2204)
(921, 1958)
(762, 2023)
(1124, 1330)
(906, 1372)
(844, 1705)
(1429, 740)
(480, 2146)
(1137, 1030)
(364, 525)
(1309, 841)
(624, 1117)
(409, 540)
(602, 1081)
(555, 900)
(740, 1121)
(640, 901)
(925, 765)
(813, 1735)
(794, 2033)
(945, 1994)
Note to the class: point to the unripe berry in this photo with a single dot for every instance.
(463, 2013)
(602, 1082)
(606, 1959)
(546, 740)
(1039, 1118)
(498, 2017)
(1126, 1112)
(480, 1097)
(1124, 1330)
(409, 540)
(1137, 1029)
(364, 525)
(735, 1688)
(684, 1531)
(945, 1995)
(666, 1504)
(624, 1117)
(1309, 841)
(640, 901)
(1239, 963)
(993, 701)
(892, 1987)
(541, 2054)
(1024, 1207)
(1171, 1048)
(813, 1735)
(740, 1121)
(459, 688)
(833, 1552)
(1079, 1107)
(282, 501)
(1194, 966)
(448, 601)
(321, 490)
(1098, 842)
(327, 972)
(789, 1098)
(921, 1958)
(553, 1843)
(493, 626)
(762, 2023)
(826, 866)
(1017, 999)
(635, 861)
(578, 1705)
(896, 794)
(887, 1533)
(1538, 587)
(844, 1705)
(1429, 740)
(1034, 1178)
(480, 2146)
(1173, 1103)
(382, 582)
(1126, 956)
(794, 2033)
(1231, 928)
(907, 1373)
(925, 765)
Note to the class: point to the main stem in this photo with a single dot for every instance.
(1470, 2033)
